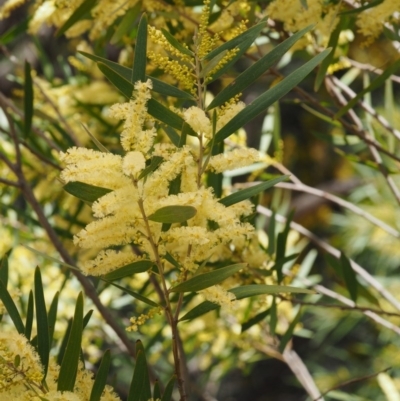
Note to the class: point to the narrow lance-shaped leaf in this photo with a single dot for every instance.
(175, 43)
(251, 191)
(169, 388)
(138, 378)
(156, 391)
(349, 276)
(101, 377)
(139, 59)
(69, 365)
(4, 268)
(289, 332)
(262, 289)
(199, 310)
(127, 23)
(41, 322)
(29, 316)
(256, 70)
(205, 280)
(146, 391)
(52, 316)
(271, 235)
(86, 192)
(273, 320)
(163, 114)
(126, 73)
(123, 85)
(376, 83)
(268, 98)
(139, 266)
(173, 214)
(11, 308)
(28, 99)
(256, 319)
(80, 13)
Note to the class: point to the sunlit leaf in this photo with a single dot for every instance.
(173, 214)
(205, 280)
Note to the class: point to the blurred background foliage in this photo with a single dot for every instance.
(343, 348)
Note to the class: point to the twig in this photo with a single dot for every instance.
(351, 381)
(336, 253)
(9, 182)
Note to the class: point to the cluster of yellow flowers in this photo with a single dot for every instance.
(22, 375)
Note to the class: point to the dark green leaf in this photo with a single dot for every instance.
(250, 35)
(215, 180)
(86, 192)
(4, 268)
(126, 23)
(69, 365)
(256, 70)
(173, 214)
(154, 163)
(349, 276)
(82, 12)
(64, 342)
(251, 191)
(282, 261)
(252, 290)
(15, 30)
(52, 316)
(256, 319)
(11, 308)
(199, 310)
(28, 100)
(376, 83)
(289, 332)
(41, 322)
(126, 73)
(172, 135)
(146, 391)
(86, 318)
(172, 260)
(139, 59)
(268, 98)
(136, 387)
(273, 320)
(124, 86)
(271, 234)
(357, 10)
(134, 294)
(29, 316)
(139, 266)
(205, 280)
(169, 388)
(163, 114)
(156, 391)
(333, 41)
(101, 377)
(175, 43)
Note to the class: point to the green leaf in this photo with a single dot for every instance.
(172, 135)
(248, 35)
(281, 247)
(11, 308)
(268, 98)
(215, 180)
(134, 294)
(349, 276)
(29, 316)
(199, 310)
(175, 43)
(146, 391)
(273, 320)
(271, 235)
(16, 29)
(139, 266)
(156, 391)
(376, 83)
(41, 322)
(251, 191)
(357, 10)
(173, 214)
(64, 343)
(139, 59)
(52, 316)
(82, 12)
(205, 280)
(282, 261)
(154, 163)
(256, 70)
(69, 365)
(289, 332)
(169, 388)
(86, 192)
(123, 85)
(4, 268)
(126, 23)
(86, 318)
(28, 100)
(333, 42)
(163, 114)
(252, 290)
(101, 377)
(126, 73)
(256, 319)
(138, 378)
